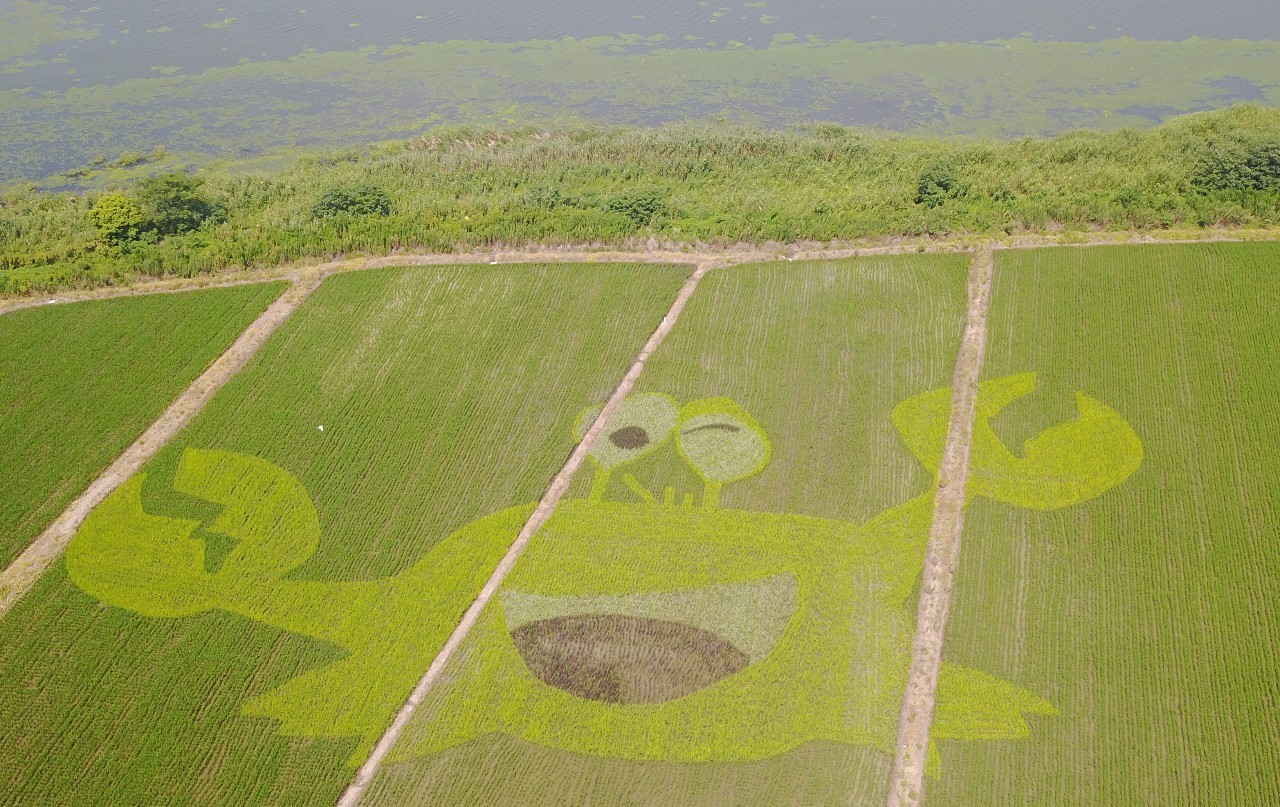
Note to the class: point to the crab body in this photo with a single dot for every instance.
(640, 630)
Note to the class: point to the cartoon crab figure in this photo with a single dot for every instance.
(645, 630)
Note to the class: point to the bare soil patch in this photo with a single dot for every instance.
(625, 659)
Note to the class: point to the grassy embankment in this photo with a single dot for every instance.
(469, 188)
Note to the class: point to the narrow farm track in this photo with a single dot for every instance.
(665, 253)
(546, 507)
(21, 575)
(906, 781)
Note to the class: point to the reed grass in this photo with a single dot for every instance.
(465, 188)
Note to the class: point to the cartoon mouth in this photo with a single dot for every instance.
(648, 648)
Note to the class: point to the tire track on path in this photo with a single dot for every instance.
(546, 507)
(906, 781)
(40, 554)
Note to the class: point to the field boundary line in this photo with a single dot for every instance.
(546, 507)
(20, 575)
(666, 253)
(906, 780)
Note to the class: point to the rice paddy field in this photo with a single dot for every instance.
(733, 540)
(1148, 615)
(247, 661)
(80, 382)
(721, 609)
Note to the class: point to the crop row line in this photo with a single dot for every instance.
(943, 549)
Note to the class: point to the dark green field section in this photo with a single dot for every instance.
(665, 641)
(79, 382)
(1147, 616)
(263, 600)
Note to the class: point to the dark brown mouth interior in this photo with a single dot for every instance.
(625, 659)
(630, 437)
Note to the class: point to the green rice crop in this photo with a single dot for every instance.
(1147, 616)
(79, 382)
(445, 394)
(755, 489)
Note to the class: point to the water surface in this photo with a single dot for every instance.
(80, 85)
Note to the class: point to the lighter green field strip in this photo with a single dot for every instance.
(26, 568)
(546, 507)
(1147, 616)
(1072, 462)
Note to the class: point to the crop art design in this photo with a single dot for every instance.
(647, 629)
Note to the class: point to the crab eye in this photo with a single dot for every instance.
(722, 441)
(640, 424)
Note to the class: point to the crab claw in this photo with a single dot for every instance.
(131, 559)
(1063, 465)
(155, 565)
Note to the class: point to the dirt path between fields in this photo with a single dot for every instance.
(22, 574)
(652, 252)
(906, 782)
(546, 507)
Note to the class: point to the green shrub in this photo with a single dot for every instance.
(543, 197)
(117, 218)
(1240, 167)
(937, 183)
(173, 204)
(361, 200)
(642, 206)
(130, 159)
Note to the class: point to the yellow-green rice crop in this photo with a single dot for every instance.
(713, 617)
(691, 633)
(646, 631)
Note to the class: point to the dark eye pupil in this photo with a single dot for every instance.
(630, 437)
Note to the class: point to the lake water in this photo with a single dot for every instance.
(251, 77)
(194, 37)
